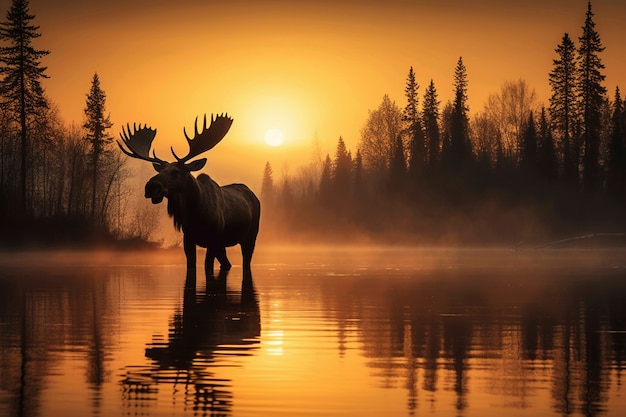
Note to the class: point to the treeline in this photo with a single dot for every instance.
(514, 171)
(57, 182)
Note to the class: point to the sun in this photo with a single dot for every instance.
(274, 137)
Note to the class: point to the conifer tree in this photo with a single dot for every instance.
(528, 157)
(411, 118)
(342, 171)
(563, 80)
(460, 150)
(430, 118)
(96, 126)
(591, 98)
(397, 167)
(358, 187)
(326, 182)
(267, 185)
(546, 153)
(21, 71)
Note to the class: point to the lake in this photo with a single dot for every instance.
(343, 331)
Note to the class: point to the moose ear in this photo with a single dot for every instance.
(158, 167)
(196, 165)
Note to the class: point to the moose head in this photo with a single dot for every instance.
(172, 176)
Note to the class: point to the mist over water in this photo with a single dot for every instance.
(325, 331)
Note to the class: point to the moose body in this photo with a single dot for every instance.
(209, 215)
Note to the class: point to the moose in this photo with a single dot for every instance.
(210, 216)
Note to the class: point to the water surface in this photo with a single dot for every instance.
(315, 332)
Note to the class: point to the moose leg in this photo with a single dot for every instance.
(190, 253)
(209, 262)
(247, 249)
(221, 257)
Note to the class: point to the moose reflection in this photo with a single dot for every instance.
(210, 216)
(214, 324)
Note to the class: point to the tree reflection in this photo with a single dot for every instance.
(506, 331)
(213, 324)
(44, 314)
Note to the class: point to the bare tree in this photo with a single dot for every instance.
(378, 136)
(508, 110)
(486, 139)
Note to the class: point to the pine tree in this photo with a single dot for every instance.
(267, 185)
(397, 167)
(563, 81)
(342, 171)
(326, 182)
(430, 118)
(460, 150)
(21, 71)
(414, 131)
(96, 126)
(546, 157)
(359, 187)
(528, 157)
(592, 96)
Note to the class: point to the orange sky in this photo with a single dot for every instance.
(309, 68)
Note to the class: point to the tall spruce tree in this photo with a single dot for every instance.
(397, 167)
(342, 172)
(591, 98)
(546, 155)
(358, 185)
(430, 119)
(528, 154)
(415, 132)
(96, 126)
(267, 185)
(326, 182)
(22, 72)
(460, 149)
(563, 80)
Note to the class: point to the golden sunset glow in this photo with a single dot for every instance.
(311, 69)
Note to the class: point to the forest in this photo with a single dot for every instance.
(516, 171)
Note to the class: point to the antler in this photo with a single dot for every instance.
(139, 142)
(208, 138)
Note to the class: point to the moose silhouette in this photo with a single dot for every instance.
(210, 216)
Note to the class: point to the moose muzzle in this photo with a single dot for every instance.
(155, 191)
